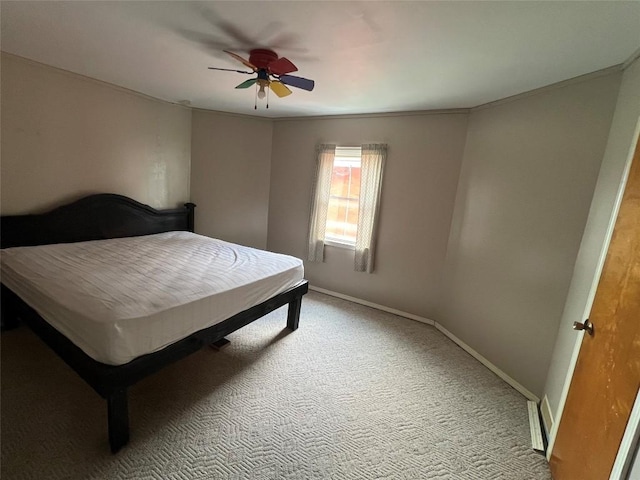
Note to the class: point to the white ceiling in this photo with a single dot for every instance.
(365, 57)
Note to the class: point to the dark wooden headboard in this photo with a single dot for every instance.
(96, 217)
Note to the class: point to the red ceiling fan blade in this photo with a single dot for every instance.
(299, 82)
(242, 60)
(282, 66)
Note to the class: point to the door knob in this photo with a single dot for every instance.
(587, 326)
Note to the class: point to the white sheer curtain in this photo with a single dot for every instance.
(372, 167)
(320, 201)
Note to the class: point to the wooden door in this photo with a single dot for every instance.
(607, 374)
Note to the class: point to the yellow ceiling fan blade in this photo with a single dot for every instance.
(279, 89)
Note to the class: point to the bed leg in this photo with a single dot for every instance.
(118, 413)
(8, 313)
(293, 317)
(220, 344)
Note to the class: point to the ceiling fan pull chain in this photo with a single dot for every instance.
(268, 97)
(255, 105)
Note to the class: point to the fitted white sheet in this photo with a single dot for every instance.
(121, 298)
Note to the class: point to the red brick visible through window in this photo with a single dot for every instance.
(342, 218)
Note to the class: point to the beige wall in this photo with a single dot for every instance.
(530, 167)
(529, 171)
(230, 171)
(418, 192)
(620, 142)
(64, 136)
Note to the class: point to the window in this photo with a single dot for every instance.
(342, 214)
(346, 200)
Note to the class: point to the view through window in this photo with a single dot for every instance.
(342, 217)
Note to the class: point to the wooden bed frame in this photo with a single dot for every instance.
(105, 216)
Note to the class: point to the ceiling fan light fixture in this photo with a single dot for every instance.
(271, 74)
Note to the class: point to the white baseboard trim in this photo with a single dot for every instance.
(547, 416)
(373, 305)
(520, 388)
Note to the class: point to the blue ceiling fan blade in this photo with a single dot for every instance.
(299, 82)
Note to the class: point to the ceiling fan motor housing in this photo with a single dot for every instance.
(261, 58)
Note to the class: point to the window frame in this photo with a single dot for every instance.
(347, 155)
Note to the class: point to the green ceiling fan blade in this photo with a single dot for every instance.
(247, 83)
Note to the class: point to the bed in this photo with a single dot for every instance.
(119, 290)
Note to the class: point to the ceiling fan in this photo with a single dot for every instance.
(272, 72)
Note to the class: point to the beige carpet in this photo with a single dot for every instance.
(354, 393)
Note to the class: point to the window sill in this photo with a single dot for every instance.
(339, 244)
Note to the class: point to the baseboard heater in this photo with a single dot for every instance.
(538, 438)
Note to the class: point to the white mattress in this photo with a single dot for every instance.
(121, 298)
